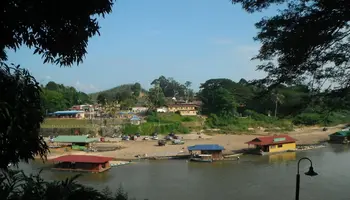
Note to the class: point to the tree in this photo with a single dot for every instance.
(101, 99)
(217, 96)
(57, 32)
(277, 98)
(136, 89)
(21, 116)
(60, 34)
(156, 97)
(308, 39)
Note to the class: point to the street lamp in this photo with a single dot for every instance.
(311, 172)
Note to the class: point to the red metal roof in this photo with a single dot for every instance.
(268, 140)
(82, 159)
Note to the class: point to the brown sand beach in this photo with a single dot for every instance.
(130, 149)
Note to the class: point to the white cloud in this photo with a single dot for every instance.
(48, 77)
(88, 88)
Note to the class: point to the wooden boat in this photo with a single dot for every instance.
(201, 158)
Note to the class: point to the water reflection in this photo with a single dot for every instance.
(282, 157)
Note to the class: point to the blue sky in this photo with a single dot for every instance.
(191, 40)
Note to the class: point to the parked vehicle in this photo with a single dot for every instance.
(168, 137)
(125, 137)
(177, 141)
(154, 137)
(161, 142)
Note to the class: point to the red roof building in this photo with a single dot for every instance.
(82, 159)
(82, 163)
(276, 143)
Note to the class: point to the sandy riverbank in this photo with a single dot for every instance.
(130, 149)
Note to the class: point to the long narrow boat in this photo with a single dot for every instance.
(201, 158)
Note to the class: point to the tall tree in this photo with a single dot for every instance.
(217, 96)
(136, 89)
(57, 32)
(21, 116)
(156, 96)
(102, 99)
(309, 40)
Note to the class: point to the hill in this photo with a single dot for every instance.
(113, 91)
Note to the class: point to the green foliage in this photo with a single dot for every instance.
(20, 116)
(15, 185)
(57, 33)
(59, 97)
(112, 93)
(217, 96)
(316, 48)
(150, 127)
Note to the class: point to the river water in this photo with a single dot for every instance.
(252, 177)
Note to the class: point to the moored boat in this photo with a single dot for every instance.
(201, 158)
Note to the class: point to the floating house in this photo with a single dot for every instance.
(272, 144)
(203, 150)
(82, 163)
(340, 137)
(77, 142)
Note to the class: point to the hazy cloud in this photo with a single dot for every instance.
(87, 88)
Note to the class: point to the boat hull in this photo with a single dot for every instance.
(199, 160)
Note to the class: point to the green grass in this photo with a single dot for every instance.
(66, 123)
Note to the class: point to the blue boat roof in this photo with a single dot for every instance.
(68, 112)
(135, 118)
(206, 147)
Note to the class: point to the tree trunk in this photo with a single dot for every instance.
(276, 105)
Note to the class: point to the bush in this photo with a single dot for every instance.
(307, 119)
(149, 128)
(15, 185)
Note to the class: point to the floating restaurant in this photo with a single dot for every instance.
(206, 152)
(82, 163)
(272, 144)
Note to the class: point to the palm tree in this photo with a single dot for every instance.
(277, 98)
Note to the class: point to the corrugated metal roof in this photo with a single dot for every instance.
(276, 139)
(341, 133)
(68, 112)
(82, 159)
(206, 147)
(135, 118)
(74, 139)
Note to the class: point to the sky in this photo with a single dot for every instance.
(188, 40)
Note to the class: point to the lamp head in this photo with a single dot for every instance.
(311, 172)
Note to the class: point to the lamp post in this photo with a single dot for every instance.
(311, 172)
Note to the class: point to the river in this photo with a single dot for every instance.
(252, 177)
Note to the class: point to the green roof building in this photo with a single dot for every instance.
(342, 137)
(74, 139)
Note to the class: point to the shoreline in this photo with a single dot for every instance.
(134, 150)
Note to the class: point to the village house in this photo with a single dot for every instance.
(77, 142)
(135, 120)
(272, 144)
(139, 109)
(214, 150)
(184, 109)
(69, 114)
